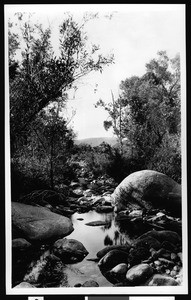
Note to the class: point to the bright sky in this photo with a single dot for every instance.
(134, 34)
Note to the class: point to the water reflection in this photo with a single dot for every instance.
(108, 241)
(95, 238)
(131, 228)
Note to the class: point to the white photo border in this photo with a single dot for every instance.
(138, 290)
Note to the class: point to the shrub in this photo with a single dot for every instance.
(167, 159)
(107, 160)
(23, 180)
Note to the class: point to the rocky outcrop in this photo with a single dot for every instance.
(37, 224)
(70, 250)
(148, 189)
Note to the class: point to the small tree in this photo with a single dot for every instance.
(40, 77)
(147, 112)
(48, 147)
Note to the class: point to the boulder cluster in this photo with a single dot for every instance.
(145, 199)
(154, 258)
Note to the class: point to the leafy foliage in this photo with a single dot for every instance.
(105, 160)
(147, 115)
(40, 76)
(41, 140)
(48, 146)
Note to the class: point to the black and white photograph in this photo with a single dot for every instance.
(95, 149)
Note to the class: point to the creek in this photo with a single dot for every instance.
(94, 238)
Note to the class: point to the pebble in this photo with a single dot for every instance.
(176, 268)
(166, 261)
(173, 256)
(173, 273)
(157, 262)
(77, 285)
(159, 269)
(166, 255)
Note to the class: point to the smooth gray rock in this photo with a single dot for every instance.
(39, 224)
(148, 189)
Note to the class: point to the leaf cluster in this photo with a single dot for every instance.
(40, 77)
(147, 113)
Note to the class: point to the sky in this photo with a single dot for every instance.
(134, 34)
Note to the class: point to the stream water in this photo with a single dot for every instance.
(94, 238)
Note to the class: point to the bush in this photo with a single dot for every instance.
(107, 160)
(167, 159)
(24, 181)
(30, 173)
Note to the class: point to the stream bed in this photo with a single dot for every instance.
(94, 238)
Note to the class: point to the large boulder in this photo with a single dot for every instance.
(38, 224)
(148, 189)
(70, 250)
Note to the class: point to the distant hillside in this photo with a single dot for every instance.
(94, 142)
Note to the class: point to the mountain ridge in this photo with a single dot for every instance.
(96, 141)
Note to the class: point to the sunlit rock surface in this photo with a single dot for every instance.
(148, 189)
